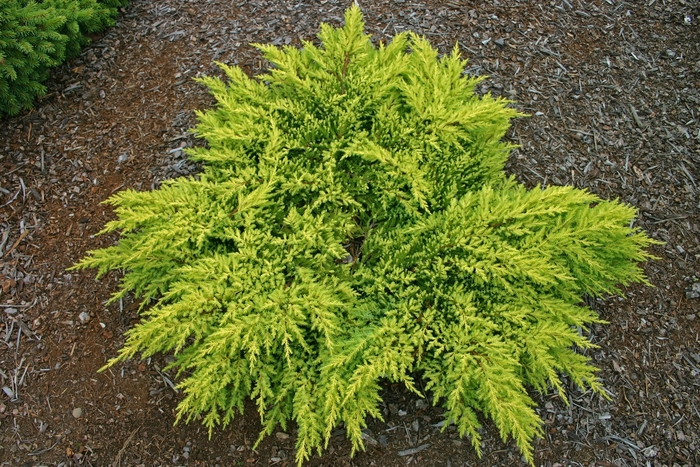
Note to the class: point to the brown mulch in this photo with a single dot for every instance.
(613, 90)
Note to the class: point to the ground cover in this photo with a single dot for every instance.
(612, 90)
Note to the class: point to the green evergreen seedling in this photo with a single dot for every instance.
(352, 224)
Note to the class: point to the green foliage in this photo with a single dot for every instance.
(352, 224)
(114, 3)
(36, 36)
(81, 17)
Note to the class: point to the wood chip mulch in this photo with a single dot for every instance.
(612, 88)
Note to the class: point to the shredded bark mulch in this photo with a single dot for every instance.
(612, 88)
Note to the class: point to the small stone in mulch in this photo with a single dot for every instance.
(693, 291)
(77, 412)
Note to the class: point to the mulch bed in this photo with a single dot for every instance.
(613, 92)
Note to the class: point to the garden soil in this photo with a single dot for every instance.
(612, 89)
